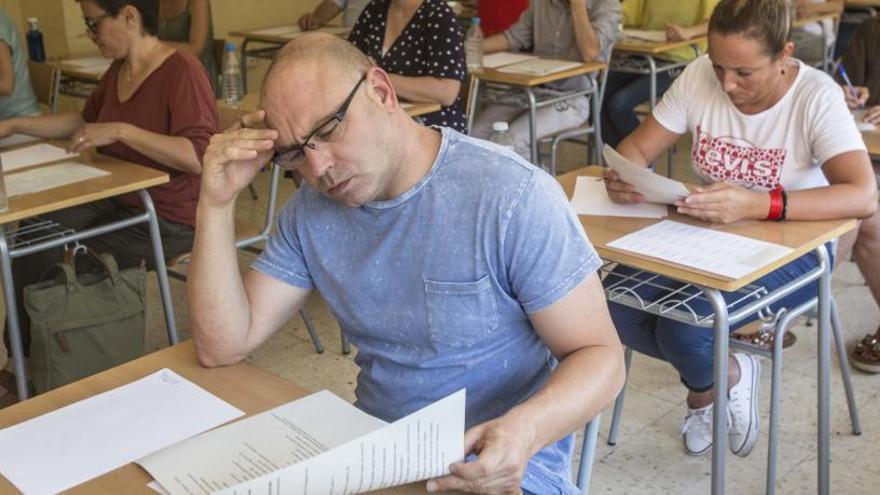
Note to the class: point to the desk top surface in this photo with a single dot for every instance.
(252, 100)
(527, 80)
(124, 177)
(277, 34)
(243, 385)
(80, 73)
(653, 48)
(872, 141)
(801, 237)
(803, 21)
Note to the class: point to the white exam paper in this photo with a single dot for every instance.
(33, 155)
(591, 198)
(654, 36)
(417, 447)
(500, 59)
(726, 254)
(539, 66)
(14, 139)
(279, 31)
(68, 446)
(258, 445)
(96, 61)
(655, 188)
(859, 116)
(49, 177)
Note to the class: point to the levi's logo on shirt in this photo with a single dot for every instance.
(735, 160)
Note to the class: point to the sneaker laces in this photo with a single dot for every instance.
(700, 420)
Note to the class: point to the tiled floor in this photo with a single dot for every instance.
(648, 458)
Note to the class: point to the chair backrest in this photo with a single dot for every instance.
(46, 80)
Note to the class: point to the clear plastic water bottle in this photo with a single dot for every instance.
(473, 45)
(501, 135)
(36, 51)
(232, 87)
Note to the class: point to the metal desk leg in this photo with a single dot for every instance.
(824, 457)
(596, 97)
(472, 104)
(533, 126)
(242, 62)
(159, 259)
(719, 413)
(14, 326)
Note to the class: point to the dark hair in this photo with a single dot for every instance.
(149, 10)
(766, 21)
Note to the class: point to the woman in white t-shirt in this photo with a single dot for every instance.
(772, 139)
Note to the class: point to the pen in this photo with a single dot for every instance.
(852, 90)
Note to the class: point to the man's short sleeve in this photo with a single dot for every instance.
(283, 257)
(546, 252)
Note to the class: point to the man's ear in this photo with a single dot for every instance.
(380, 83)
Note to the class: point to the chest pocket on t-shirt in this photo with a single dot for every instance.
(460, 313)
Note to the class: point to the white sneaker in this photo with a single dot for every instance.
(697, 430)
(743, 406)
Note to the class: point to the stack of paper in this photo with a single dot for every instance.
(279, 31)
(68, 446)
(655, 188)
(501, 59)
(15, 139)
(539, 66)
(591, 198)
(730, 255)
(644, 35)
(316, 445)
(33, 155)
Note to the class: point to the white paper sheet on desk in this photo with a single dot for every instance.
(654, 36)
(317, 445)
(278, 31)
(733, 256)
(859, 116)
(49, 177)
(68, 446)
(98, 70)
(500, 59)
(33, 155)
(655, 188)
(591, 198)
(15, 139)
(539, 66)
(88, 62)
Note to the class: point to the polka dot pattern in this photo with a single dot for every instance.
(431, 45)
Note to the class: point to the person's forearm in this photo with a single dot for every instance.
(60, 126)
(584, 383)
(832, 202)
(496, 43)
(173, 151)
(585, 36)
(219, 311)
(697, 30)
(326, 11)
(426, 89)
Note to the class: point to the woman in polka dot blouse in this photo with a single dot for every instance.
(421, 46)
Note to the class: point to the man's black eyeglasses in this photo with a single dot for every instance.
(294, 156)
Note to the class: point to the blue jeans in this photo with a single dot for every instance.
(623, 92)
(688, 348)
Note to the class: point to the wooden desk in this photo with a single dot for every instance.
(278, 37)
(243, 385)
(802, 237)
(251, 102)
(872, 141)
(862, 4)
(527, 83)
(628, 45)
(125, 177)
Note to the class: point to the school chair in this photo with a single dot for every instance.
(781, 322)
(46, 80)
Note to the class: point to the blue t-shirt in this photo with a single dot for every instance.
(435, 286)
(22, 101)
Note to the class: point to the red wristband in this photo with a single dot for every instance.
(775, 204)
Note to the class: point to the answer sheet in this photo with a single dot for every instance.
(88, 62)
(49, 177)
(655, 188)
(33, 155)
(539, 66)
(500, 59)
(316, 445)
(591, 198)
(726, 254)
(76, 443)
(14, 139)
(655, 36)
(859, 116)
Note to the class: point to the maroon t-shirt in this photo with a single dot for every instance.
(176, 100)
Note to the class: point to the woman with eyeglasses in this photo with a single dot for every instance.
(154, 106)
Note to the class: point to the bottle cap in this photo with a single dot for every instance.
(230, 46)
(475, 19)
(500, 126)
(32, 21)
